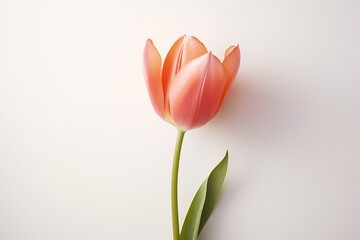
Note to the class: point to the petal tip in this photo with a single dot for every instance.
(231, 49)
(149, 42)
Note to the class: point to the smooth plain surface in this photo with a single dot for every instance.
(84, 156)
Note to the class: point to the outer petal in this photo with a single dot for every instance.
(196, 92)
(183, 51)
(231, 66)
(152, 74)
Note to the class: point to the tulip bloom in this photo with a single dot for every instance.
(189, 88)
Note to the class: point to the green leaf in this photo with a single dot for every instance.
(204, 202)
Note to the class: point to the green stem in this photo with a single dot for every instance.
(174, 185)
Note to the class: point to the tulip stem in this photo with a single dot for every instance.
(174, 185)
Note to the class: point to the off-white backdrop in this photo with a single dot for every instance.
(84, 156)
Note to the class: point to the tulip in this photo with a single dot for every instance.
(189, 88)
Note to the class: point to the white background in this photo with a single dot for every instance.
(84, 156)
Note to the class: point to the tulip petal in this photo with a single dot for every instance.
(231, 66)
(183, 51)
(152, 74)
(170, 62)
(196, 91)
(193, 48)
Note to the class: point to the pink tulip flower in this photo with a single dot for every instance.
(189, 88)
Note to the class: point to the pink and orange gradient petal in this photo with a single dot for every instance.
(192, 49)
(152, 73)
(182, 52)
(231, 65)
(170, 66)
(196, 92)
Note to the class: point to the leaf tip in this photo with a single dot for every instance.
(226, 157)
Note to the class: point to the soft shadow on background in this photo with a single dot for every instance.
(251, 113)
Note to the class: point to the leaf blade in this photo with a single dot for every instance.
(192, 220)
(215, 183)
(204, 202)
